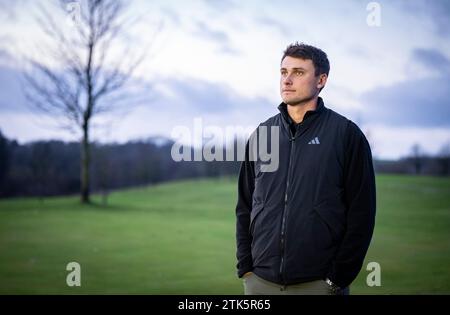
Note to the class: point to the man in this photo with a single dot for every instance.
(305, 228)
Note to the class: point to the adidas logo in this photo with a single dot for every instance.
(314, 141)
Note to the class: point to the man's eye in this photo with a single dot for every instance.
(298, 72)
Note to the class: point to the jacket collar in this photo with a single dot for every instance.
(284, 112)
(294, 130)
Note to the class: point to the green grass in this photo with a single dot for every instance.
(179, 238)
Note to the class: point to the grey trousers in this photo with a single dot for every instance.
(255, 285)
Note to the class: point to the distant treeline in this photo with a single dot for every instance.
(419, 165)
(46, 168)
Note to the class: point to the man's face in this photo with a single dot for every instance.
(298, 81)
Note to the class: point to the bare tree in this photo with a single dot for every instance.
(444, 159)
(417, 157)
(89, 79)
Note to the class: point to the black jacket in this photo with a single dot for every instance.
(314, 216)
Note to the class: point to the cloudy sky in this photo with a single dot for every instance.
(218, 60)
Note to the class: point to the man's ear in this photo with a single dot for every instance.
(322, 81)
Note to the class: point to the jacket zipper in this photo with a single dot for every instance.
(283, 222)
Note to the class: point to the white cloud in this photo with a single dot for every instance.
(394, 142)
(244, 60)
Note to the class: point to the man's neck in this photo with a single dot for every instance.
(297, 112)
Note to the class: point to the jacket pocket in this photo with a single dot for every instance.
(257, 209)
(332, 213)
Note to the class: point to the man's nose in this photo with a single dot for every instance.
(287, 80)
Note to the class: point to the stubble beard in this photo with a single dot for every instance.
(299, 102)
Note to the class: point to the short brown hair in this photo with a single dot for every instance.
(316, 55)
